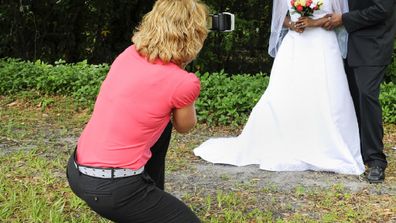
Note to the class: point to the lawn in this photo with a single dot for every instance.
(38, 133)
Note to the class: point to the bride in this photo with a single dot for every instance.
(305, 120)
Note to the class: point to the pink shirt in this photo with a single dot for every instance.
(132, 109)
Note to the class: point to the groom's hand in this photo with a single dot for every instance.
(333, 21)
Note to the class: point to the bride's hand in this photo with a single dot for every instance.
(299, 30)
(294, 27)
(304, 22)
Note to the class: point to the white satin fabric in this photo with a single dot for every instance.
(305, 119)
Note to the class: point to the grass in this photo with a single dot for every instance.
(38, 132)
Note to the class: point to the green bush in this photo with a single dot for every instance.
(80, 80)
(224, 99)
(228, 99)
(388, 102)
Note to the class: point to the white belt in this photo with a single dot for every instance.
(108, 173)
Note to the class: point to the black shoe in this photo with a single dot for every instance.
(375, 174)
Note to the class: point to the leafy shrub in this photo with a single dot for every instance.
(18, 76)
(224, 99)
(388, 102)
(80, 80)
(228, 99)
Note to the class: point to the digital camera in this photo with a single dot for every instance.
(222, 22)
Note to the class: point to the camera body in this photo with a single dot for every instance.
(222, 22)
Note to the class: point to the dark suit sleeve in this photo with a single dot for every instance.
(376, 13)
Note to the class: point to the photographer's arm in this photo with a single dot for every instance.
(184, 119)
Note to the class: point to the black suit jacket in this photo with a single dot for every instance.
(371, 25)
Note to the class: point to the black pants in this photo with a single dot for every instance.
(364, 83)
(155, 167)
(133, 199)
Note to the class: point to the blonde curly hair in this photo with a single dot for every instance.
(173, 31)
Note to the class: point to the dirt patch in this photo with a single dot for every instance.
(214, 177)
(201, 175)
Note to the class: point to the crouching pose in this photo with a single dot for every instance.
(118, 166)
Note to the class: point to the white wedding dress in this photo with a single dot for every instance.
(305, 120)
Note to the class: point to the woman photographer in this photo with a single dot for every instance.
(118, 166)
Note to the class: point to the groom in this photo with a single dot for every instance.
(371, 25)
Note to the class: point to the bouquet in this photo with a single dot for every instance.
(306, 7)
